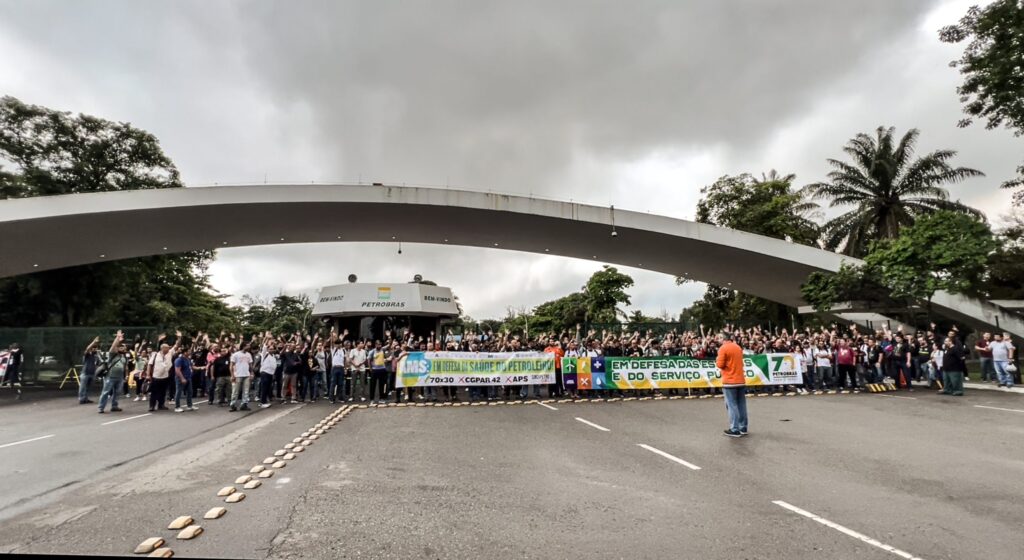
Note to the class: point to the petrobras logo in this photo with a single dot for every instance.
(384, 293)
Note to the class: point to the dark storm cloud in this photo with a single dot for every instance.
(501, 94)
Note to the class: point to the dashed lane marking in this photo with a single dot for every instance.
(547, 406)
(669, 456)
(593, 425)
(26, 441)
(898, 397)
(846, 531)
(126, 419)
(975, 406)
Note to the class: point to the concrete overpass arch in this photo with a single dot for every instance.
(46, 233)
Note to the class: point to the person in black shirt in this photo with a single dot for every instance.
(902, 360)
(221, 372)
(954, 357)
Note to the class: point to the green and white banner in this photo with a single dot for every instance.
(424, 369)
(674, 372)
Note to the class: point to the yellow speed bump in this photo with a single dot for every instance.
(304, 434)
(215, 513)
(269, 460)
(226, 491)
(162, 552)
(288, 456)
(297, 440)
(298, 449)
(289, 445)
(252, 484)
(279, 465)
(307, 442)
(236, 497)
(243, 479)
(149, 545)
(190, 532)
(257, 469)
(280, 452)
(181, 522)
(314, 437)
(267, 474)
(320, 432)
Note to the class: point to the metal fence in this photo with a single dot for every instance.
(49, 352)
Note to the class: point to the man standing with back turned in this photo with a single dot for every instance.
(734, 384)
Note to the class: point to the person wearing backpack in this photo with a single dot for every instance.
(114, 366)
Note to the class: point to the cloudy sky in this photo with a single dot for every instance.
(637, 104)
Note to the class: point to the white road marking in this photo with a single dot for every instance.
(997, 408)
(125, 419)
(845, 531)
(898, 397)
(593, 425)
(26, 441)
(548, 406)
(669, 457)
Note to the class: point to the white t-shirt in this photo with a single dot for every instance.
(822, 361)
(242, 362)
(162, 364)
(268, 363)
(338, 357)
(357, 358)
(1000, 351)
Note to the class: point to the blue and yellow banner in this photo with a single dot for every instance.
(425, 369)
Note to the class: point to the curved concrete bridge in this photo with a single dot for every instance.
(46, 233)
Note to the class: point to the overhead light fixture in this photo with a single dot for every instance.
(35, 266)
(282, 239)
(165, 248)
(495, 244)
(547, 250)
(224, 243)
(399, 247)
(446, 241)
(103, 256)
(614, 233)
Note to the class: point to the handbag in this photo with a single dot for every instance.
(1011, 368)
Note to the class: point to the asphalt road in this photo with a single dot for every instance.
(841, 476)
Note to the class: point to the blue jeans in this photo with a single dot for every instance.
(182, 388)
(1005, 377)
(336, 384)
(987, 369)
(83, 387)
(736, 404)
(111, 389)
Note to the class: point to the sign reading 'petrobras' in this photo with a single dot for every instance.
(675, 372)
(384, 299)
(423, 369)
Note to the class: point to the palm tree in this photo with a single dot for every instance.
(888, 188)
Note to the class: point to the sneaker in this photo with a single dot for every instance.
(245, 407)
(266, 405)
(294, 401)
(152, 409)
(731, 433)
(179, 409)
(191, 408)
(232, 409)
(115, 409)
(137, 399)
(744, 433)
(102, 411)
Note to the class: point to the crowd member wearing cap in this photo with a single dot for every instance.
(117, 362)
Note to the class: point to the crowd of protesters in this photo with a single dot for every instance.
(234, 371)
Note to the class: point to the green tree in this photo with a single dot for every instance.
(52, 153)
(1004, 272)
(993, 86)
(562, 314)
(943, 251)
(768, 206)
(604, 292)
(282, 314)
(888, 188)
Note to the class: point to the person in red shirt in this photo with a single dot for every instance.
(734, 384)
(845, 359)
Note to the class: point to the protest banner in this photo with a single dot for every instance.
(426, 369)
(674, 372)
